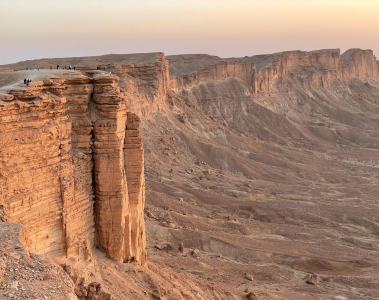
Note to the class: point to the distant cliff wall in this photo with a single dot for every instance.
(220, 71)
(358, 64)
(71, 166)
(312, 69)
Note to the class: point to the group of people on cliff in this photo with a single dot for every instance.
(27, 81)
(64, 68)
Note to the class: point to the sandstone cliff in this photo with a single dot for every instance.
(144, 77)
(313, 69)
(70, 152)
(144, 85)
(358, 64)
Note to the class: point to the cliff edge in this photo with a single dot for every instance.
(72, 165)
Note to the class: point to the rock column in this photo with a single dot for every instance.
(134, 165)
(111, 190)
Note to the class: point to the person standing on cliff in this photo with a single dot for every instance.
(38, 68)
(57, 67)
(51, 67)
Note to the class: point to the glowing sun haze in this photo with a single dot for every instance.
(46, 28)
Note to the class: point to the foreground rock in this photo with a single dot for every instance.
(72, 142)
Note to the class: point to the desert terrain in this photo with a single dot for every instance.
(258, 171)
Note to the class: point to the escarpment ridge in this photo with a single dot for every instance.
(72, 165)
(316, 68)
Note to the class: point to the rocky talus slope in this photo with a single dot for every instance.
(259, 172)
(24, 275)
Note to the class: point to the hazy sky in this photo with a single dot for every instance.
(31, 29)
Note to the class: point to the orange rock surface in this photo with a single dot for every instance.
(70, 151)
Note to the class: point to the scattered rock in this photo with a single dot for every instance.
(150, 215)
(180, 199)
(196, 253)
(165, 224)
(181, 247)
(159, 247)
(182, 118)
(156, 294)
(311, 279)
(251, 296)
(169, 247)
(249, 277)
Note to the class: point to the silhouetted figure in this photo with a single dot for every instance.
(74, 68)
(57, 67)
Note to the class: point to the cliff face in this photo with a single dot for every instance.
(144, 85)
(358, 64)
(220, 71)
(72, 143)
(312, 69)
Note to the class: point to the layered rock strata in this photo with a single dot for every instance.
(314, 69)
(65, 166)
(359, 64)
(144, 85)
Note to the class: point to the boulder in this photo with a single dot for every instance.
(311, 279)
(251, 296)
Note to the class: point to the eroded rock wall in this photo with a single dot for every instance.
(35, 161)
(111, 205)
(220, 71)
(311, 69)
(65, 166)
(359, 64)
(144, 85)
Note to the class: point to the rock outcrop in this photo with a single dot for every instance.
(65, 169)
